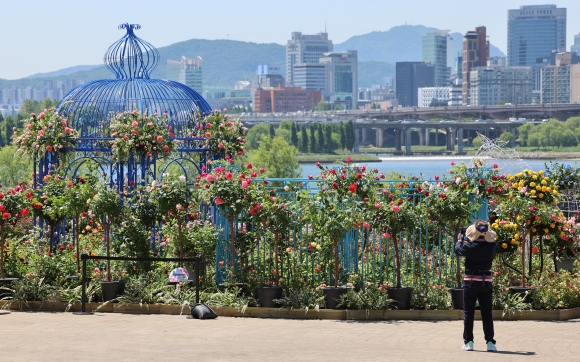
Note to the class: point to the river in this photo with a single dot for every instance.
(426, 168)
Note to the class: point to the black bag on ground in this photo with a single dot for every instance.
(202, 311)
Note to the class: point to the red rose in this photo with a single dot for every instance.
(1, 196)
(335, 185)
(61, 248)
(352, 188)
(49, 148)
(166, 148)
(6, 215)
(24, 212)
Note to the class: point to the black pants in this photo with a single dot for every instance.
(473, 291)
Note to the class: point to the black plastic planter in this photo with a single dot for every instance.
(111, 290)
(6, 282)
(402, 297)
(267, 294)
(456, 298)
(522, 292)
(332, 296)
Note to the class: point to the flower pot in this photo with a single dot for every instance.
(332, 296)
(522, 292)
(6, 282)
(565, 264)
(111, 290)
(402, 297)
(456, 298)
(267, 294)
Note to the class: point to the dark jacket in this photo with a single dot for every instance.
(478, 254)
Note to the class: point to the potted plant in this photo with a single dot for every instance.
(274, 216)
(13, 206)
(106, 207)
(46, 133)
(174, 197)
(49, 204)
(391, 215)
(229, 190)
(333, 211)
(139, 135)
(530, 202)
(223, 136)
(563, 240)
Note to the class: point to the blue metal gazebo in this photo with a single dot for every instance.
(92, 105)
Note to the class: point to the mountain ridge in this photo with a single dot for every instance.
(226, 61)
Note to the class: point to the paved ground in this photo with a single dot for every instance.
(42, 336)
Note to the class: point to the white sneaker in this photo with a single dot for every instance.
(468, 346)
(491, 347)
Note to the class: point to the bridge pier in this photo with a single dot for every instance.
(398, 140)
(408, 150)
(364, 135)
(460, 140)
(379, 138)
(427, 136)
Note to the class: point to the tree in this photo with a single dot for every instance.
(294, 138)
(13, 167)
(272, 131)
(255, 134)
(508, 137)
(328, 138)
(322, 106)
(524, 132)
(342, 136)
(477, 142)
(287, 125)
(304, 139)
(313, 143)
(350, 135)
(9, 124)
(280, 164)
(320, 138)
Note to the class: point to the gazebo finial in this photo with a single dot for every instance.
(131, 57)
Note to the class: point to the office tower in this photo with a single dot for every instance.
(305, 49)
(434, 96)
(533, 32)
(435, 51)
(497, 83)
(475, 54)
(342, 77)
(576, 47)
(561, 82)
(410, 76)
(311, 76)
(186, 71)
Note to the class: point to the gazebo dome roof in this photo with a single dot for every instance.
(90, 106)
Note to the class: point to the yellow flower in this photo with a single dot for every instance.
(541, 172)
(88, 228)
(538, 188)
(535, 177)
(546, 230)
(504, 245)
(495, 225)
(544, 182)
(541, 196)
(555, 193)
(517, 236)
(519, 175)
(511, 195)
(552, 225)
(533, 230)
(532, 184)
(533, 192)
(528, 222)
(548, 189)
(510, 177)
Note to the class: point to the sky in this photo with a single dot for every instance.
(47, 35)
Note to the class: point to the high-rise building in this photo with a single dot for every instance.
(410, 76)
(342, 77)
(434, 96)
(561, 82)
(435, 51)
(311, 76)
(497, 83)
(576, 47)
(533, 32)
(186, 71)
(305, 49)
(475, 54)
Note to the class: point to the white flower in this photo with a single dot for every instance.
(458, 180)
(154, 183)
(182, 178)
(431, 188)
(148, 188)
(286, 188)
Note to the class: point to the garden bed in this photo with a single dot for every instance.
(255, 312)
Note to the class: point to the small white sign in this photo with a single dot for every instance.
(178, 275)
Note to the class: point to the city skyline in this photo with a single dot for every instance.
(60, 34)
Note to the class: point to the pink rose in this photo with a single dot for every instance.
(41, 115)
(377, 205)
(207, 134)
(134, 124)
(49, 147)
(229, 175)
(210, 178)
(67, 130)
(159, 138)
(245, 184)
(367, 225)
(396, 208)
(219, 201)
